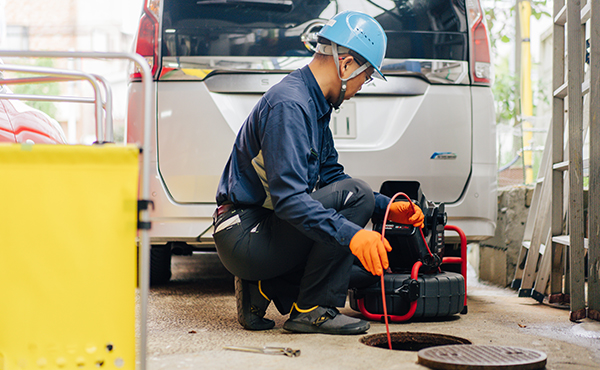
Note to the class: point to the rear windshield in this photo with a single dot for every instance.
(416, 29)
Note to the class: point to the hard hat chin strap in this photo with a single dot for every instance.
(359, 70)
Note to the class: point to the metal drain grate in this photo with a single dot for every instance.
(472, 357)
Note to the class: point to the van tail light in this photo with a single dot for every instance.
(480, 59)
(147, 39)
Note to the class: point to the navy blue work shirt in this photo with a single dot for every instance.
(284, 151)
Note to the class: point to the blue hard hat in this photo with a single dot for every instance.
(358, 32)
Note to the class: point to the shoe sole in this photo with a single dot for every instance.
(297, 327)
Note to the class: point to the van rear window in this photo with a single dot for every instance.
(416, 29)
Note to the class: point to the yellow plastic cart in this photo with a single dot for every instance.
(68, 265)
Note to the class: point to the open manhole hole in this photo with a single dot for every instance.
(481, 357)
(407, 341)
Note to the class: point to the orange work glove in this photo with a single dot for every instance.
(371, 251)
(402, 213)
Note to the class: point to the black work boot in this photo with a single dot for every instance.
(325, 320)
(251, 306)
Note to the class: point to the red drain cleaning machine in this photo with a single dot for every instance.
(421, 280)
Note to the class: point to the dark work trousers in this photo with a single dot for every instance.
(293, 267)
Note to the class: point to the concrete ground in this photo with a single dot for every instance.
(193, 317)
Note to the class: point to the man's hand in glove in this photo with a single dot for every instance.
(406, 213)
(371, 251)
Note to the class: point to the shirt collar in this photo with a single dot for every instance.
(322, 105)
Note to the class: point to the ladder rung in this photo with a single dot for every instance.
(586, 12)
(561, 166)
(527, 243)
(566, 240)
(585, 87)
(561, 17)
(561, 239)
(561, 92)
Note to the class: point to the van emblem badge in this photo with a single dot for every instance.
(443, 155)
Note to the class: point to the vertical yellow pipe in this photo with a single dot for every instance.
(526, 94)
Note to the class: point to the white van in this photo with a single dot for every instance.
(432, 121)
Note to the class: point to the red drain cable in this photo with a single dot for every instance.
(414, 273)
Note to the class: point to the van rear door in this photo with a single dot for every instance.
(218, 58)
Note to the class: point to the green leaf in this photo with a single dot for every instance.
(505, 39)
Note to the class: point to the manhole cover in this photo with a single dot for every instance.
(471, 357)
(407, 341)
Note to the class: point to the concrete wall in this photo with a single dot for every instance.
(497, 257)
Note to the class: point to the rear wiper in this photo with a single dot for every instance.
(275, 5)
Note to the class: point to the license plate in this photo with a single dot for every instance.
(343, 122)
